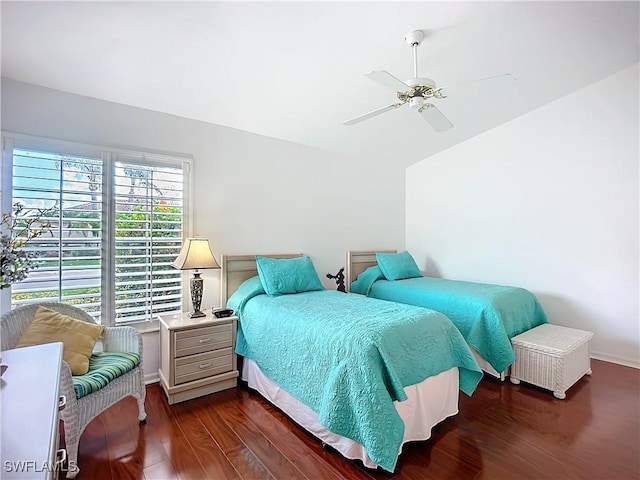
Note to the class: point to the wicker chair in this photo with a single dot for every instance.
(79, 412)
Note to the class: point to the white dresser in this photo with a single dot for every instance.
(29, 393)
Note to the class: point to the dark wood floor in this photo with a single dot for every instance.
(503, 432)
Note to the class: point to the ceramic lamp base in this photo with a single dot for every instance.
(196, 286)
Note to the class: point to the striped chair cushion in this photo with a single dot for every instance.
(104, 367)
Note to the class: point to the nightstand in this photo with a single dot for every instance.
(197, 356)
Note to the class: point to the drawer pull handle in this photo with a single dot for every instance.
(61, 457)
(205, 340)
(205, 365)
(62, 402)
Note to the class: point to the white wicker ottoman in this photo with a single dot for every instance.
(551, 357)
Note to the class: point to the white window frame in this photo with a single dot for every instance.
(109, 155)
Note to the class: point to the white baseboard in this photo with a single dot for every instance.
(613, 359)
(151, 378)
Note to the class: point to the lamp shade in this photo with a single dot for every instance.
(195, 254)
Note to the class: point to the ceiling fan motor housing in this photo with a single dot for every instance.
(421, 82)
(419, 89)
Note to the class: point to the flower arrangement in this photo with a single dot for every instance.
(17, 230)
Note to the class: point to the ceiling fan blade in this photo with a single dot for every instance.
(436, 119)
(372, 113)
(388, 80)
(505, 80)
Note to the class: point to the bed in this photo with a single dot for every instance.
(363, 375)
(488, 316)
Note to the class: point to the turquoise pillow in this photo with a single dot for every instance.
(366, 279)
(245, 292)
(396, 266)
(280, 276)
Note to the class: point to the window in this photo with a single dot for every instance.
(116, 219)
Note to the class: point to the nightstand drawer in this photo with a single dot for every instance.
(203, 365)
(201, 340)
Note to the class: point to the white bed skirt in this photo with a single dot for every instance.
(486, 367)
(428, 403)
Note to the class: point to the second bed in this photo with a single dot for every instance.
(487, 315)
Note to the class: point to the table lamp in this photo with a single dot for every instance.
(195, 255)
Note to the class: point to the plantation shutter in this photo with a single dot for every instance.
(117, 219)
(69, 254)
(148, 237)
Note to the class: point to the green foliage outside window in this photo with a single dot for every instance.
(137, 234)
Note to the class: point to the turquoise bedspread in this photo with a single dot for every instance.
(349, 357)
(487, 315)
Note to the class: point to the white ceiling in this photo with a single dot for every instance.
(294, 70)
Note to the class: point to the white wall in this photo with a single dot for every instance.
(252, 194)
(548, 201)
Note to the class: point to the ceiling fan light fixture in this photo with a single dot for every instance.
(416, 103)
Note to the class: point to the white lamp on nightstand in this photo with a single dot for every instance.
(195, 255)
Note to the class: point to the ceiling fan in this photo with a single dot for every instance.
(416, 91)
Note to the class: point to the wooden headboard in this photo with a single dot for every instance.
(238, 268)
(358, 261)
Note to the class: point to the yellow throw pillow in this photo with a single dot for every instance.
(78, 337)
